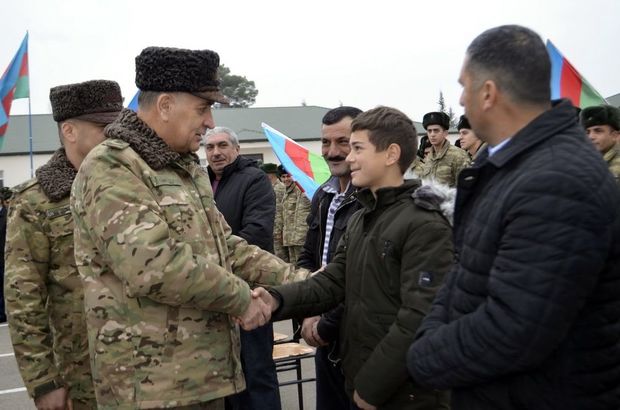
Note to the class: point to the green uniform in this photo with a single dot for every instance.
(157, 261)
(612, 157)
(43, 291)
(444, 166)
(290, 227)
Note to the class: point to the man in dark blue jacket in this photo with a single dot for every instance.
(244, 196)
(529, 318)
(332, 206)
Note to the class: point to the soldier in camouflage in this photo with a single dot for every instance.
(290, 227)
(469, 140)
(165, 281)
(602, 124)
(445, 161)
(44, 295)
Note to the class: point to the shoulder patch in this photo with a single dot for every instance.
(25, 185)
(115, 143)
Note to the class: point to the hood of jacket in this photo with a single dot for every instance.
(427, 194)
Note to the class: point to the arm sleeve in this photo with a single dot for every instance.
(27, 259)
(385, 371)
(550, 248)
(317, 294)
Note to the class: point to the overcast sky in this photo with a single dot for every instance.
(397, 53)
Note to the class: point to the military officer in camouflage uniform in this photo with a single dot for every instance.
(290, 227)
(602, 124)
(445, 161)
(44, 295)
(165, 281)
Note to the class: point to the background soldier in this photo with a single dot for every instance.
(44, 295)
(445, 161)
(291, 213)
(602, 124)
(469, 141)
(164, 278)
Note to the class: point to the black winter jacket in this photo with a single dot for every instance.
(246, 199)
(389, 264)
(312, 252)
(530, 316)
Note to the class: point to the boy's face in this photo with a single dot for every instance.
(368, 167)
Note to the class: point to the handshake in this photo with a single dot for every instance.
(258, 313)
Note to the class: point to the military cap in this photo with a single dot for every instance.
(180, 70)
(463, 123)
(282, 171)
(601, 115)
(97, 101)
(269, 168)
(436, 118)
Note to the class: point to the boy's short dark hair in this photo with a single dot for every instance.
(385, 126)
(335, 115)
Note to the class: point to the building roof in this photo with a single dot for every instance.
(301, 123)
(614, 100)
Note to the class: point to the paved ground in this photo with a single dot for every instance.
(13, 395)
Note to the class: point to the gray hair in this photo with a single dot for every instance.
(232, 136)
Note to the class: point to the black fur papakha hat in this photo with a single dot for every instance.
(600, 115)
(97, 101)
(269, 168)
(180, 70)
(436, 118)
(463, 123)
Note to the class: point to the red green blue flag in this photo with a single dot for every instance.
(308, 169)
(14, 84)
(566, 82)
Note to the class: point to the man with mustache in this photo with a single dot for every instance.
(332, 206)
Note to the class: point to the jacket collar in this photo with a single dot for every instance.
(560, 117)
(435, 156)
(239, 163)
(386, 196)
(144, 141)
(56, 176)
(612, 153)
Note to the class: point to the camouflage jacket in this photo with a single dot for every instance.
(157, 261)
(290, 227)
(444, 166)
(612, 157)
(43, 292)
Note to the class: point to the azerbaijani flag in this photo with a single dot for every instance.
(13, 85)
(566, 82)
(133, 104)
(308, 169)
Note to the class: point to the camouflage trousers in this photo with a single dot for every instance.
(84, 405)
(210, 405)
(292, 253)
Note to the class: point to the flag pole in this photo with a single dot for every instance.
(30, 114)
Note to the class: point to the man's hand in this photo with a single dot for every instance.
(262, 294)
(361, 403)
(55, 400)
(309, 331)
(257, 314)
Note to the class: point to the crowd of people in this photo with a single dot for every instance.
(426, 275)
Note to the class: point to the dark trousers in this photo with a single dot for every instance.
(262, 392)
(330, 393)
